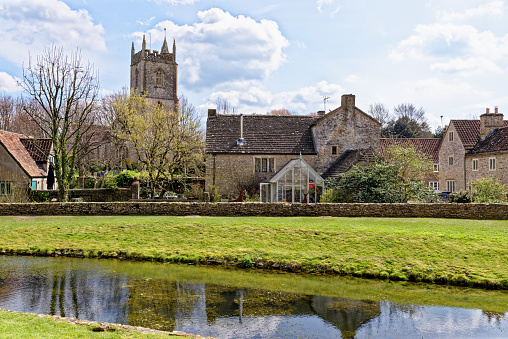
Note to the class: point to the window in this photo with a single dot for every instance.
(264, 165)
(136, 80)
(436, 167)
(434, 185)
(475, 164)
(5, 188)
(450, 185)
(450, 136)
(450, 161)
(158, 78)
(492, 164)
(334, 150)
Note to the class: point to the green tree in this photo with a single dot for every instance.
(408, 122)
(398, 176)
(489, 190)
(167, 141)
(63, 93)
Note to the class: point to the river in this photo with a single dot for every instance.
(230, 303)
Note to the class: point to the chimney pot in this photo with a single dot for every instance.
(487, 110)
(496, 110)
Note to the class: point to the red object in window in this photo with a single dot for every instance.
(311, 184)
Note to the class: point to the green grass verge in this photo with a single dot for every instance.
(457, 252)
(22, 325)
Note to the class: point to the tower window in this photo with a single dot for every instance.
(158, 78)
(136, 80)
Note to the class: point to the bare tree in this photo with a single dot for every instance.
(224, 106)
(379, 112)
(64, 92)
(7, 112)
(281, 111)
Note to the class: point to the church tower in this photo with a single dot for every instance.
(154, 74)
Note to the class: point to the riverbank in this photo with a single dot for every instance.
(443, 251)
(28, 325)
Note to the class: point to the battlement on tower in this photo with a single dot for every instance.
(154, 56)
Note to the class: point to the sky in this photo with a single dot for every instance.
(448, 56)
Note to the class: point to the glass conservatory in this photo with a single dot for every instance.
(295, 182)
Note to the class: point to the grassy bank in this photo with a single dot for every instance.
(23, 325)
(458, 252)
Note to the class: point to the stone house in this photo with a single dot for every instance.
(246, 150)
(427, 146)
(24, 161)
(489, 157)
(462, 137)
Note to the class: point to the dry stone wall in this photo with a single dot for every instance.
(457, 211)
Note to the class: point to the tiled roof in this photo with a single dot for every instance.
(13, 145)
(37, 148)
(469, 131)
(496, 141)
(264, 134)
(429, 146)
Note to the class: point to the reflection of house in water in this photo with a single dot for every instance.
(346, 314)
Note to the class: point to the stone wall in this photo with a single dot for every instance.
(457, 211)
(95, 194)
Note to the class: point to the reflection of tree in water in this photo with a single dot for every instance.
(346, 314)
(494, 317)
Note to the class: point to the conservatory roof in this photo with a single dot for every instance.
(297, 163)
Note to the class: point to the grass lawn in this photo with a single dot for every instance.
(21, 325)
(459, 252)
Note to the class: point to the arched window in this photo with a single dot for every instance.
(136, 79)
(158, 78)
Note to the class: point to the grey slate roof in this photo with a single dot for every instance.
(495, 142)
(264, 134)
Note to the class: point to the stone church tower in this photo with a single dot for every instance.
(154, 74)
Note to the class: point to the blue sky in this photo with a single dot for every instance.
(448, 56)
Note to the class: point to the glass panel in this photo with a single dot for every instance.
(264, 164)
(271, 165)
(257, 164)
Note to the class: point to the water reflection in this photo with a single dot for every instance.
(154, 296)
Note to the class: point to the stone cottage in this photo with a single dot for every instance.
(464, 145)
(246, 150)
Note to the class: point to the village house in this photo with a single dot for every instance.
(24, 162)
(247, 150)
(467, 148)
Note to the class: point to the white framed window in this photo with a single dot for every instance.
(5, 188)
(434, 185)
(450, 185)
(450, 161)
(436, 167)
(450, 136)
(492, 164)
(264, 164)
(475, 164)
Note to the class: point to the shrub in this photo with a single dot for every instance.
(488, 190)
(460, 197)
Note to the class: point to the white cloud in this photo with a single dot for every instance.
(330, 6)
(494, 8)
(454, 48)
(8, 83)
(250, 97)
(34, 25)
(222, 48)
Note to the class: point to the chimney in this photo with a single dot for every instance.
(490, 121)
(348, 102)
(212, 112)
(321, 113)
